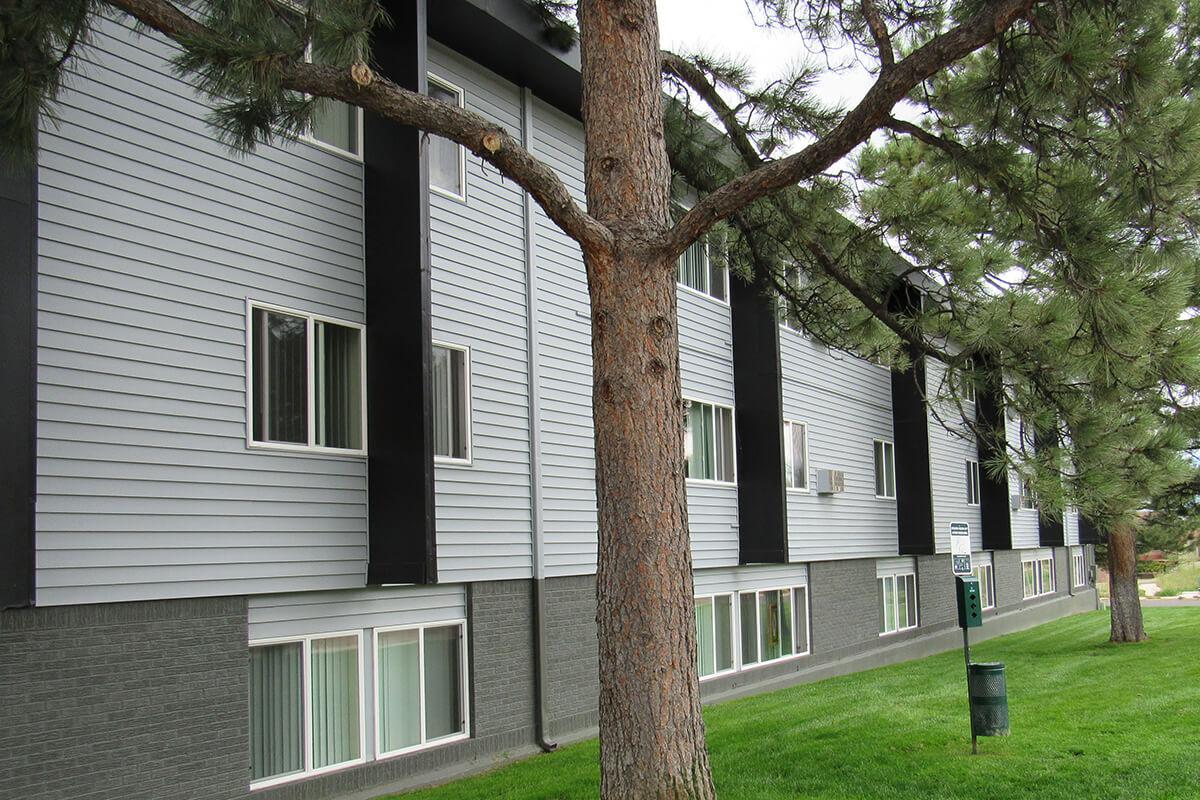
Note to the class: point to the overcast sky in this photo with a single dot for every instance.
(725, 27)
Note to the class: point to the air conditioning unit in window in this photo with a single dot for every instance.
(830, 481)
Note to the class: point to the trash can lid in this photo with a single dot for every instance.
(987, 666)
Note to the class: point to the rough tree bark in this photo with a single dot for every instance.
(651, 730)
(1122, 585)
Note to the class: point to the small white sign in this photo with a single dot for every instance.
(960, 548)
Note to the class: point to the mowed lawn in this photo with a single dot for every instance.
(1089, 720)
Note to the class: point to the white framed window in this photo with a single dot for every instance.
(885, 469)
(773, 624)
(972, 482)
(306, 701)
(451, 382)
(1037, 576)
(1079, 574)
(306, 380)
(447, 159)
(709, 442)
(714, 634)
(421, 687)
(698, 271)
(1026, 500)
(795, 452)
(897, 602)
(334, 125)
(967, 381)
(987, 584)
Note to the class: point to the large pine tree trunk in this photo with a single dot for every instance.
(651, 731)
(1122, 585)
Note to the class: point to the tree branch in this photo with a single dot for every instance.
(381, 96)
(879, 32)
(872, 111)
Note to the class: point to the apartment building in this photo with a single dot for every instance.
(298, 498)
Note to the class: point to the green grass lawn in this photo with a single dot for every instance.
(1089, 720)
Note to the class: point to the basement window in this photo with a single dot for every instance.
(774, 624)
(714, 634)
(897, 603)
(305, 707)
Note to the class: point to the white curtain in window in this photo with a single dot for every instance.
(443, 681)
(723, 424)
(700, 429)
(447, 403)
(333, 672)
(336, 124)
(706, 646)
(445, 158)
(339, 385)
(724, 632)
(399, 690)
(276, 711)
(800, 619)
(693, 267)
(749, 628)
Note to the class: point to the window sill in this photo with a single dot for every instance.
(705, 482)
(305, 450)
(333, 149)
(901, 630)
(705, 295)
(885, 497)
(449, 195)
(430, 745)
(293, 777)
(780, 660)
(446, 461)
(799, 490)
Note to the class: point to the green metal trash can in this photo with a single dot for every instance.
(988, 691)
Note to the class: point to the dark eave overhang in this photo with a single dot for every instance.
(507, 37)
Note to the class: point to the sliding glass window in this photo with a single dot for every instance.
(307, 380)
(420, 687)
(714, 634)
(709, 443)
(305, 707)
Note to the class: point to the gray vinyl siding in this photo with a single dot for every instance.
(152, 237)
(846, 403)
(565, 364)
(477, 256)
(951, 445)
(305, 614)
(742, 579)
(1071, 527)
(1025, 531)
(706, 374)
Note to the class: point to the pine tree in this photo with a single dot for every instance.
(1043, 202)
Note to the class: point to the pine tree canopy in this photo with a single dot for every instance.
(1042, 192)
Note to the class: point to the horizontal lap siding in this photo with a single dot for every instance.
(152, 237)
(478, 300)
(277, 616)
(846, 403)
(951, 444)
(565, 363)
(1025, 532)
(1071, 527)
(706, 373)
(716, 581)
